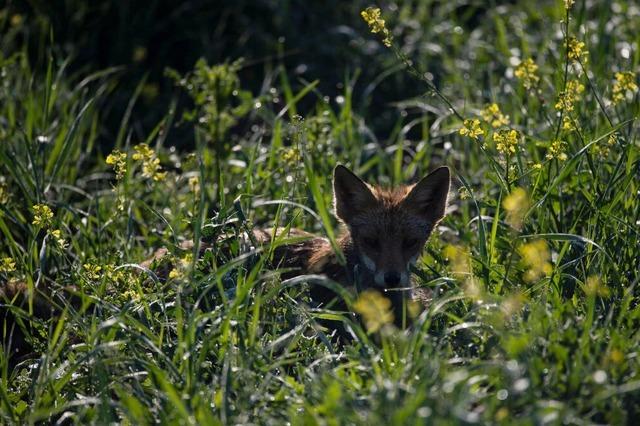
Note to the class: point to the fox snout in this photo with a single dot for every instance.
(387, 276)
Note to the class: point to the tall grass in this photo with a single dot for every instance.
(534, 272)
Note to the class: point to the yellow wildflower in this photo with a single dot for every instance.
(42, 215)
(516, 204)
(371, 16)
(556, 150)
(118, 160)
(493, 116)
(536, 258)
(292, 156)
(616, 356)
(594, 287)
(194, 184)
(7, 265)
(571, 94)
(114, 274)
(568, 124)
(175, 274)
(527, 72)
(150, 163)
(4, 192)
(93, 271)
(471, 128)
(576, 50)
(464, 193)
(506, 141)
(56, 234)
(625, 83)
(375, 310)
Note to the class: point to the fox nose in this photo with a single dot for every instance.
(391, 278)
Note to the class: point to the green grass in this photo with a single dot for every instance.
(225, 340)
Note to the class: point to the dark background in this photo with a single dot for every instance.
(325, 40)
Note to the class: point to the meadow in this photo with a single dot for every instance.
(534, 272)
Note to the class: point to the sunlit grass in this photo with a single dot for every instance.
(534, 273)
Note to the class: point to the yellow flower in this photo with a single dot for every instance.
(93, 271)
(194, 184)
(516, 205)
(292, 156)
(56, 234)
(375, 310)
(493, 116)
(625, 83)
(42, 215)
(371, 16)
(471, 128)
(576, 50)
(118, 160)
(7, 265)
(527, 72)
(114, 274)
(571, 94)
(464, 193)
(616, 356)
(568, 124)
(150, 163)
(594, 287)
(5, 195)
(506, 141)
(175, 274)
(556, 150)
(536, 258)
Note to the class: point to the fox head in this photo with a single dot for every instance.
(389, 228)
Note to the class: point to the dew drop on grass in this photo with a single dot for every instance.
(521, 385)
(424, 412)
(600, 377)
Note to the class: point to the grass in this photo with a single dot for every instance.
(535, 270)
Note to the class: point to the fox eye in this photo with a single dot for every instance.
(371, 242)
(410, 243)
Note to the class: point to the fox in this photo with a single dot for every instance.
(383, 233)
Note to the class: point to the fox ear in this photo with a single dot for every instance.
(429, 196)
(350, 194)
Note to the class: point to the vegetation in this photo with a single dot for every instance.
(534, 272)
